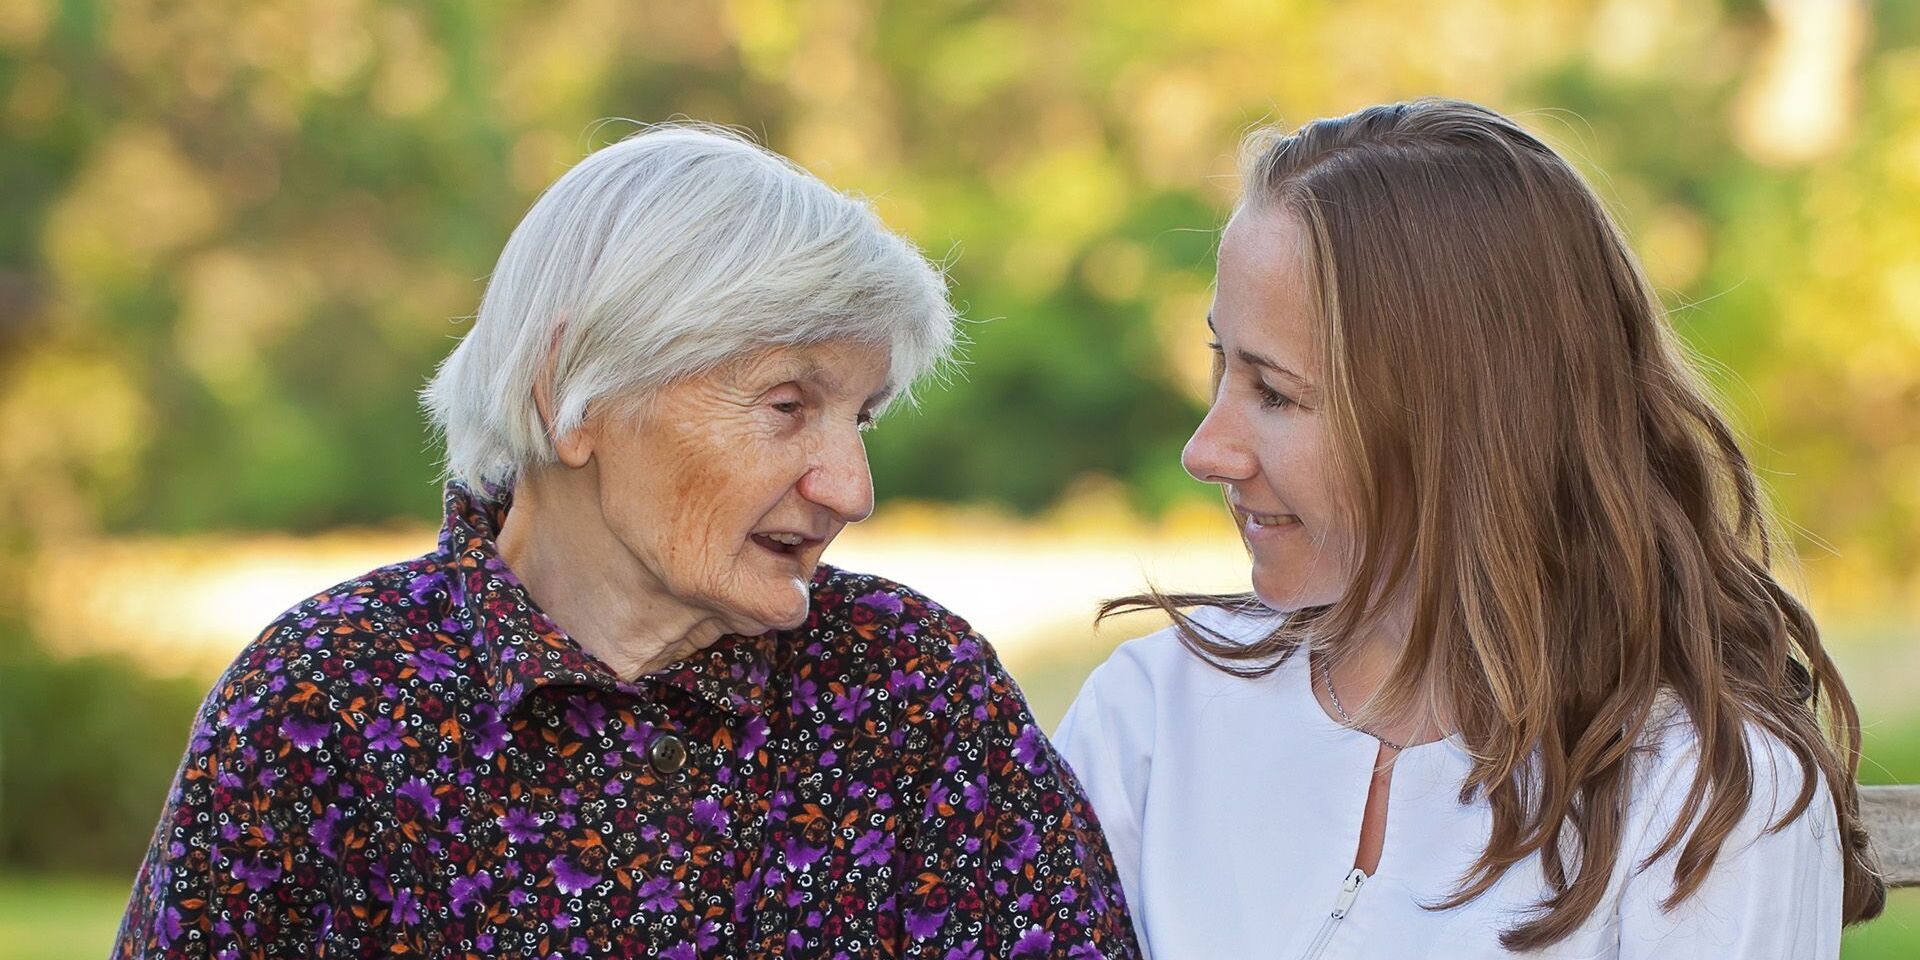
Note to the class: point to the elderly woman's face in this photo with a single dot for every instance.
(728, 486)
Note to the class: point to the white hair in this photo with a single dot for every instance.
(665, 255)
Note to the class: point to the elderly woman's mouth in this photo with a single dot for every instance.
(786, 543)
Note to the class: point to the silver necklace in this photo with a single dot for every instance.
(1326, 672)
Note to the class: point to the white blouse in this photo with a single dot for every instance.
(1233, 810)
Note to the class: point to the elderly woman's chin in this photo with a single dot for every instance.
(778, 602)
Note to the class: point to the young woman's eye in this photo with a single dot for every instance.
(865, 420)
(1273, 399)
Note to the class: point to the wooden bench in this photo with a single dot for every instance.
(1892, 815)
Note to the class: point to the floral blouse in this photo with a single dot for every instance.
(420, 762)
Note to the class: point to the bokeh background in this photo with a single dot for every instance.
(235, 236)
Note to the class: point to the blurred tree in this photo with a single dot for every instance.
(237, 235)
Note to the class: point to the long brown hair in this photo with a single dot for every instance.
(1533, 461)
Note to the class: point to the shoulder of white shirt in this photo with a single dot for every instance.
(1668, 746)
(1669, 755)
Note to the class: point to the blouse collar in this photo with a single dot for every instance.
(527, 650)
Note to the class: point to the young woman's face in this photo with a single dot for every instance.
(1266, 438)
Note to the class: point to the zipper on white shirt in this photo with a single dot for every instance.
(1349, 890)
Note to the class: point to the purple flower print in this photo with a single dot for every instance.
(922, 926)
(343, 605)
(679, 951)
(853, 705)
(799, 856)
(241, 714)
(421, 793)
(256, 874)
(707, 936)
(467, 891)
(385, 734)
(902, 681)
(304, 732)
(322, 831)
(167, 926)
(521, 825)
(753, 737)
(967, 650)
(202, 739)
(806, 693)
(406, 906)
(637, 737)
(973, 796)
(1021, 849)
(433, 664)
(422, 588)
(489, 731)
(873, 849)
(1036, 943)
(883, 602)
(708, 813)
(1030, 750)
(585, 716)
(659, 894)
(570, 878)
(970, 950)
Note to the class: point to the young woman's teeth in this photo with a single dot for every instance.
(1270, 519)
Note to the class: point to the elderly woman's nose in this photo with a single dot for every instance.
(841, 481)
(1218, 451)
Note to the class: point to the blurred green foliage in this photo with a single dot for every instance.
(237, 235)
(88, 746)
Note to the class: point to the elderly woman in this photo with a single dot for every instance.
(622, 709)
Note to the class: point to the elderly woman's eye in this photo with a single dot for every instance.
(788, 406)
(865, 420)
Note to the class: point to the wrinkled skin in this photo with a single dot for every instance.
(647, 539)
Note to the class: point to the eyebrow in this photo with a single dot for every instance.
(1254, 359)
(810, 371)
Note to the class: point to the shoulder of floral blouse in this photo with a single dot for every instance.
(929, 649)
(358, 638)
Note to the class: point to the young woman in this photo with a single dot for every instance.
(1514, 675)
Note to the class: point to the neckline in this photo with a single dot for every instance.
(1300, 676)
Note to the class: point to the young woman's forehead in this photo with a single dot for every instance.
(1263, 300)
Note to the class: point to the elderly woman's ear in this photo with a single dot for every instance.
(573, 448)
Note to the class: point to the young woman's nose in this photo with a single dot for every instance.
(1218, 451)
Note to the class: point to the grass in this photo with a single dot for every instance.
(59, 917)
(1895, 936)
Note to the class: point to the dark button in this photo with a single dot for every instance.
(667, 754)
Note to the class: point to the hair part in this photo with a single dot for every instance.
(1530, 453)
(663, 256)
